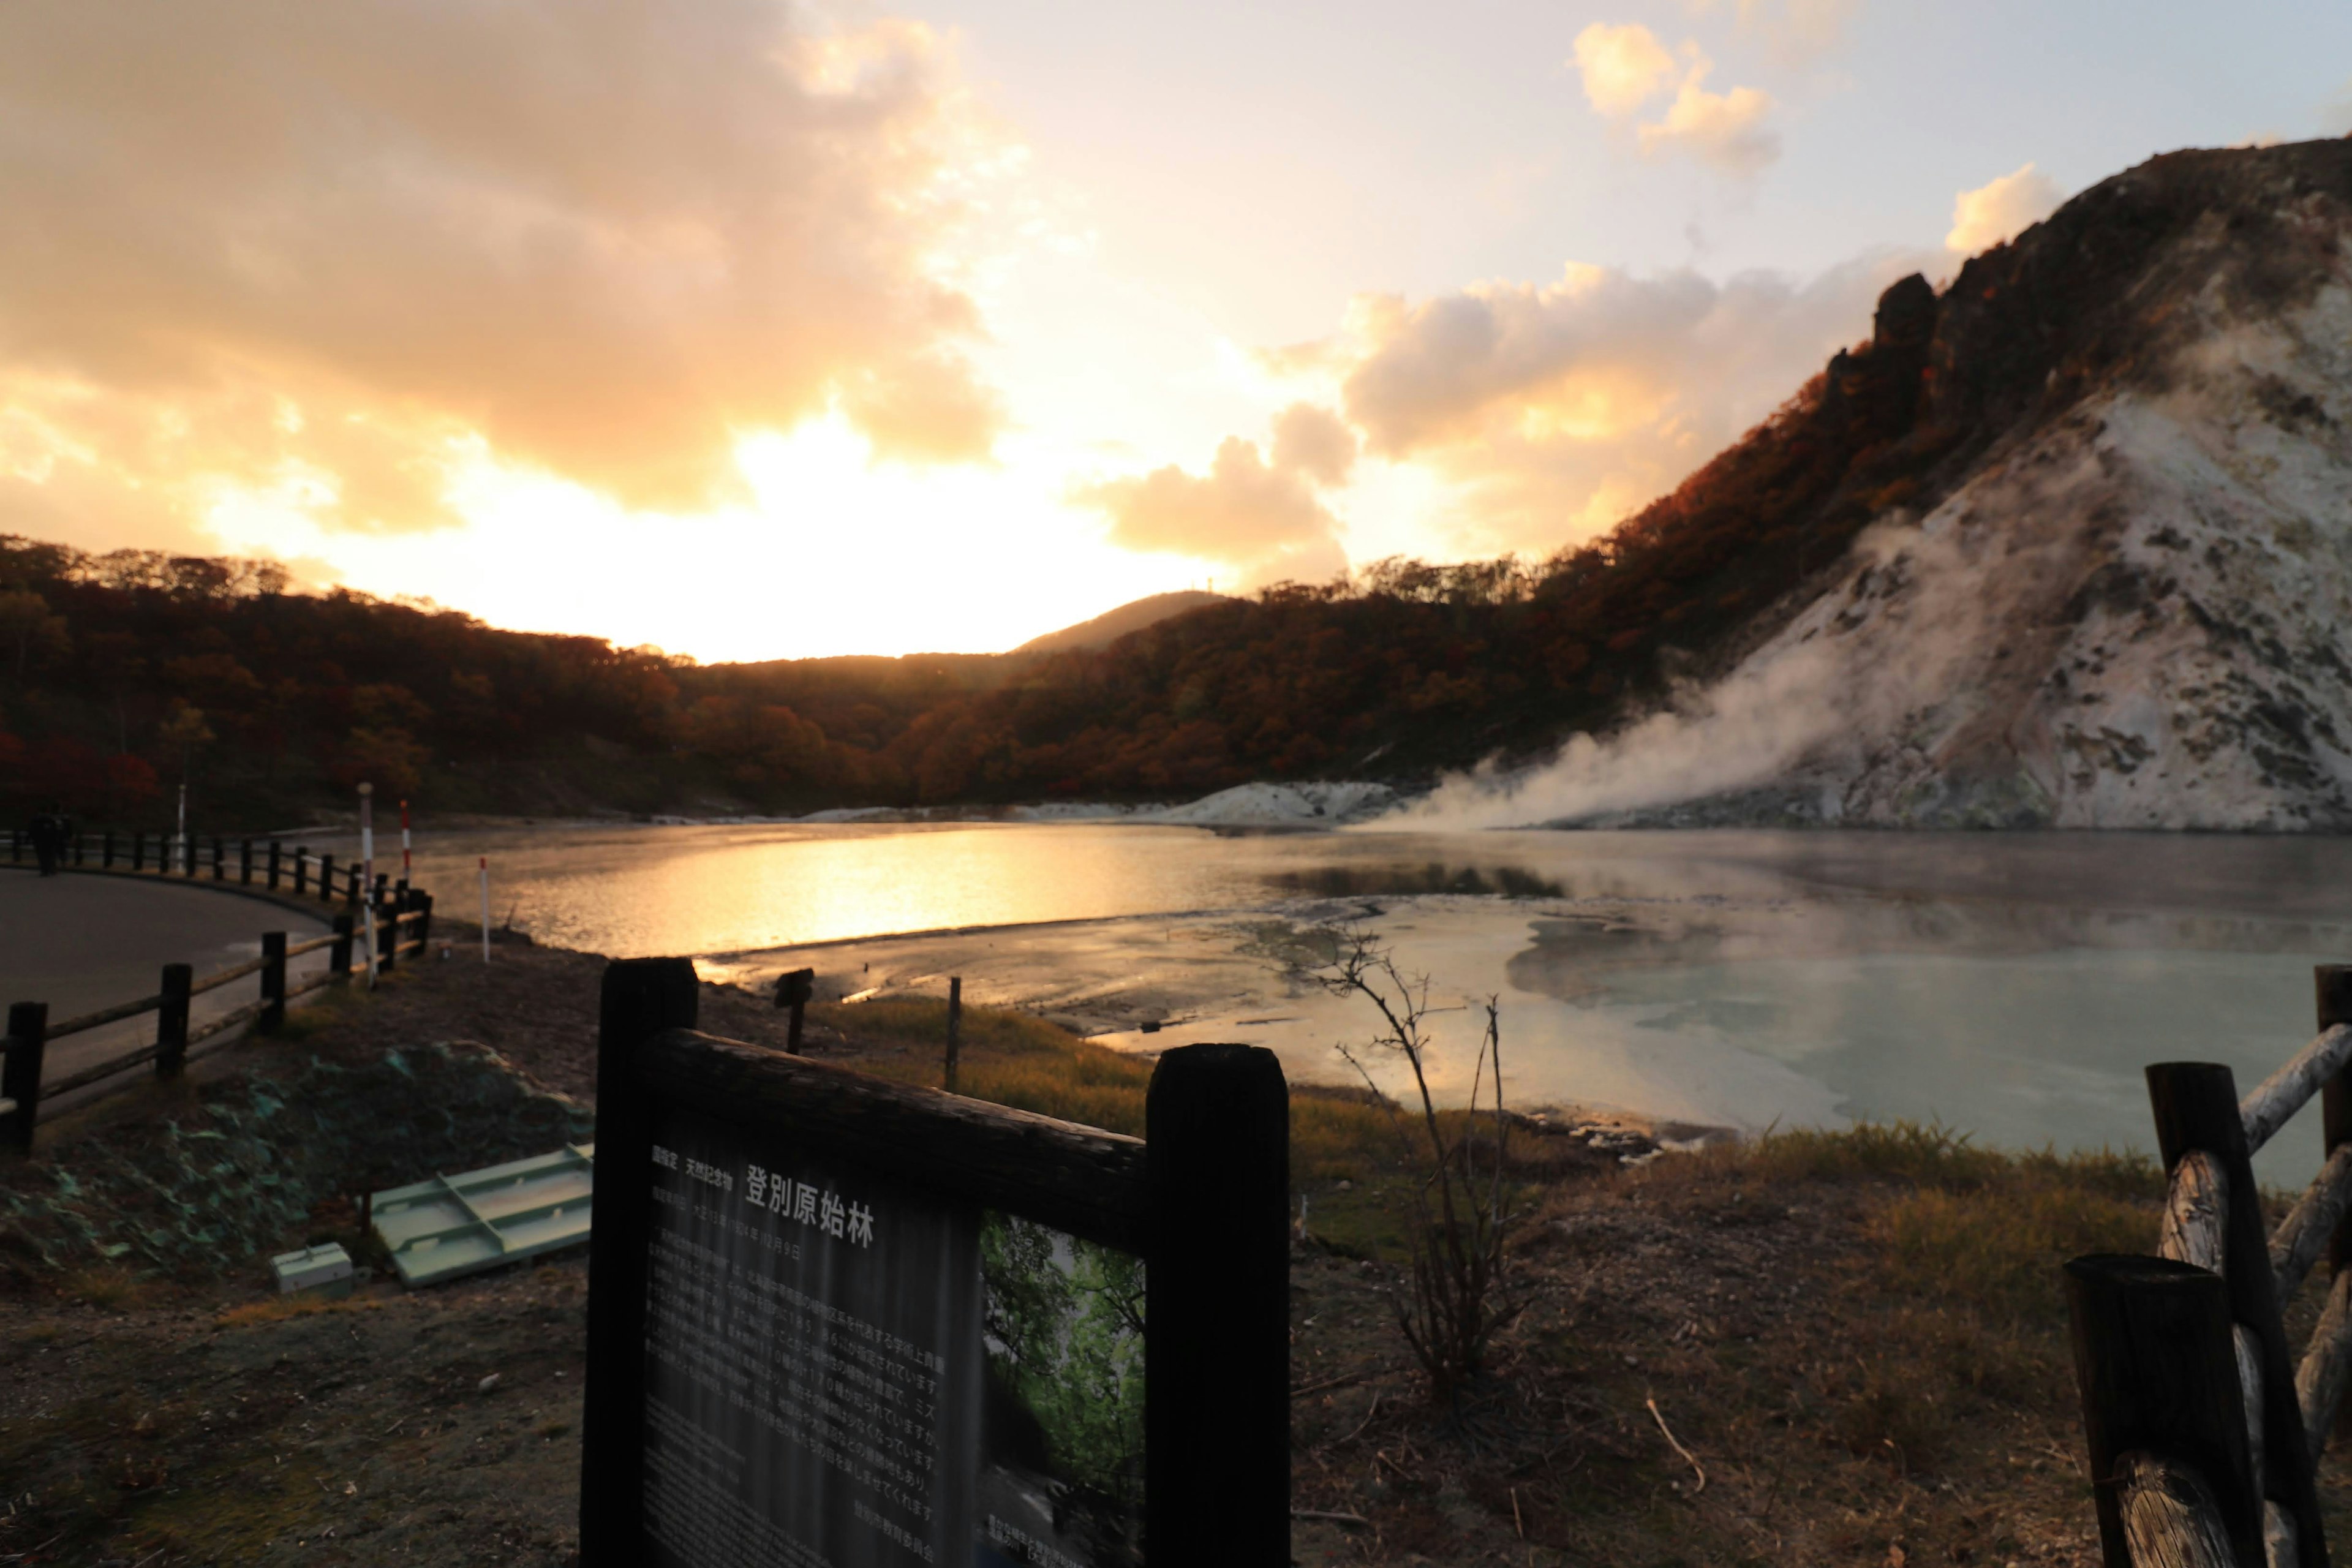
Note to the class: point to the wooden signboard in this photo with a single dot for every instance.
(839, 1322)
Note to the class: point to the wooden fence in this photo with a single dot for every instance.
(404, 924)
(272, 867)
(2204, 1426)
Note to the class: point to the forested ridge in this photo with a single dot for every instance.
(122, 673)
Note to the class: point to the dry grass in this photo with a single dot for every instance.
(112, 1287)
(1018, 1060)
(1860, 1335)
(283, 1308)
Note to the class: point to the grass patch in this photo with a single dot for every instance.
(112, 1287)
(1015, 1059)
(1018, 1060)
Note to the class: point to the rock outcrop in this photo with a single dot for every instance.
(2117, 592)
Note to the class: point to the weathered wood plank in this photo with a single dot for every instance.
(2168, 1516)
(2279, 1548)
(2197, 1107)
(2250, 1386)
(2196, 1213)
(2157, 1373)
(2303, 1235)
(1079, 1179)
(2319, 1382)
(2285, 1092)
(115, 1013)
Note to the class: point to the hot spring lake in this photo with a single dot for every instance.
(2011, 985)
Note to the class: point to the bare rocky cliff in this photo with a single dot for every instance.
(2119, 593)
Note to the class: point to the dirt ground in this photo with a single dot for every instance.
(1722, 1359)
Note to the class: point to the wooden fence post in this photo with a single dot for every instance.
(172, 1020)
(422, 902)
(301, 871)
(339, 956)
(1217, 1423)
(106, 850)
(2333, 982)
(273, 984)
(20, 1071)
(273, 865)
(641, 997)
(2196, 1107)
(955, 1026)
(78, 841)
(793, 990)
(139, 849)
(2159, 1377)
(220, 863)
(245, 862)
(188, 855)
(326, 878)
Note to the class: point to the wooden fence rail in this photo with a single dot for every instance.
(404, 921)
(303, 872)
(2190, 1467)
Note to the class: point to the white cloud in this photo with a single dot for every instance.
(1725, 130)
(1624, 67)
(1996, 213)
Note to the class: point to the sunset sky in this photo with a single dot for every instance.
(756, 331)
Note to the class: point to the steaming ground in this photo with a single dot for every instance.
(2132, 618)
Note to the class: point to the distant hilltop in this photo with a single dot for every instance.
(1112, 625)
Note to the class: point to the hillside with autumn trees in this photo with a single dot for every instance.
(123, 673)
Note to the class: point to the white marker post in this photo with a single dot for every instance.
(486, 909)
(367, 873)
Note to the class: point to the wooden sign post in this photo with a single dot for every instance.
(837, 1320)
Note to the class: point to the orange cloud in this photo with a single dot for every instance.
(327, 251)
(1266, 521)
(1557, 409)
(1315, 442)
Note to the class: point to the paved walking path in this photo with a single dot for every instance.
(81, 942)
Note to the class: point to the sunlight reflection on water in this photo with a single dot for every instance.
(2010, 983)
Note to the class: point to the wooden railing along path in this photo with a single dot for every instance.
(303, 873)
(2205, 1427)
(403, 924)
